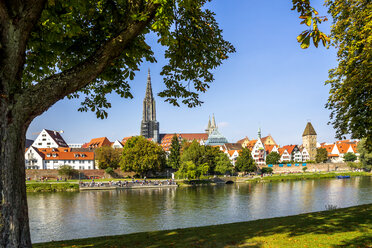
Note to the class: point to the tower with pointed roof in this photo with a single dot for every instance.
(149, 125)
(309, 140)
(211, 125)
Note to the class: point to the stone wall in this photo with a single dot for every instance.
(53, 174)
(310, 167)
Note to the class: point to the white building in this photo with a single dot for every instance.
(117, 144)
(53, 158)
(49, 139)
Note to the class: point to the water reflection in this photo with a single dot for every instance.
(57, 216)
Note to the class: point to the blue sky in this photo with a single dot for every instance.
(270, 82)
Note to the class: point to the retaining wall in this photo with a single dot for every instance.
(310, 167)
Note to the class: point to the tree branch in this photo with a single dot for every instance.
(44, 94)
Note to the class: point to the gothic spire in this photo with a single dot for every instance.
(213, 122)
(148, 87)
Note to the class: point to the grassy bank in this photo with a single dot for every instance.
(51, 187)
(347, 227)
(305, 176)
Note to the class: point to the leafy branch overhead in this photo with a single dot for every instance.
(310, 17)
(70, 32)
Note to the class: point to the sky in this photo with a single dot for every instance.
(269, 83)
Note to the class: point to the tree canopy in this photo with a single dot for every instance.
(141, 156)
(245, 162)
(272, 158)
(365, 155)
(321, 155)
(107, 157)
(350, 98)
(350, 157)
(223, 164)
(174, 157)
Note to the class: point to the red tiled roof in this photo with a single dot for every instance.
(289, 148)
(329, 148)
(231, 152)
(125, 139)
(333, 155)
(343, 147)
(194, 136)
(281, 150)
(64, 154)
(269, 148)
(97, 142)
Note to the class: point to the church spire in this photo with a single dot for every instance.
(214, 122)
(149, 125)
(148, 87)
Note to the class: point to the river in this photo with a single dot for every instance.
(71, 215)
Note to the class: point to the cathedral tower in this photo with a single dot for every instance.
(149, 125)
(309, 140)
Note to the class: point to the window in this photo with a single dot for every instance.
(44, 135)
(43, 139)
(48, 144)
(88, 167)
(39, 144)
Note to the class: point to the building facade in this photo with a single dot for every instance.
(149, 125)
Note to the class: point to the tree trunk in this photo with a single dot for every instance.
(14, 224)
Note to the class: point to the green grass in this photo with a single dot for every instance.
(304, 176)
(51, 187)
(347, 227)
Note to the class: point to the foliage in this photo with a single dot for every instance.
(245, 162)
(67, 170)
(304, 169)
(365, 155)
(109, 170)
(223, 164)
(107, 157)
(141, 155)
(321, 155)
(272, 158)
(174, 158)
(51, 187)
(350, 97)
(350, 157)
(310, 17)
(191, 171)
(200, 155)
(266, 170)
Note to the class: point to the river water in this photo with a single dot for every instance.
(68, 215)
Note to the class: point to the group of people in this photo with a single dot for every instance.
(126, 183)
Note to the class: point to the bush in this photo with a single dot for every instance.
(67, 171)
(304, 169)
(266, 170)
(109, 170)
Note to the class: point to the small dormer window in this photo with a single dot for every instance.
(76, 155)
(66, 150)
(48, 155)
(54, 155)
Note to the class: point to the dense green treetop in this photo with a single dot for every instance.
(223, 164)
(245, 162)
(141, 155)
(321, 155)
(350, 157)
(107, 157)
(365, 155)
(272, 158)
(174, 157)
(350, 98)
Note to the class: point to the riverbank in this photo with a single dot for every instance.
(305, 176)
(347, 227)
(52, 187)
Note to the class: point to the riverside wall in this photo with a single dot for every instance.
(323, 167)
(53, 174)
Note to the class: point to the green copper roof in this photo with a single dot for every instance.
(216, 139)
